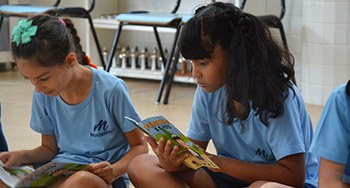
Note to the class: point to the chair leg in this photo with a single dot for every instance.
(98, 46)
(160, 48)
(283, 36)
(171, 78)
(1, 20)
(167, 73)
(279, 25)
(114, 47)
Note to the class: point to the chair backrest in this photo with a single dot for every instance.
(57, 3)
(283, 7)
(177, 5)
(149, 5)
(89, 9)
(92, 5)
(51, 3)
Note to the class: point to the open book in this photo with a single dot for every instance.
(158, 126)
(43, 176)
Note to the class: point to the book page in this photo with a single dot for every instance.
(50, 173)
(14, 175)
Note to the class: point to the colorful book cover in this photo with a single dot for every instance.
(43, 176)
(158, 126)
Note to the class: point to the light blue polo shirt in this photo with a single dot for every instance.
(332, 137)
(92, 131)
(286, 135)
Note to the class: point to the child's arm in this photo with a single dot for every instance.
(43, 153)
(289, 170)
(137, 147)
(330, 174)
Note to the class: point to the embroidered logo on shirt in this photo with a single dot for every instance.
(101, 129)
(264, 154)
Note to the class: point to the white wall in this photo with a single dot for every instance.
(326, 48)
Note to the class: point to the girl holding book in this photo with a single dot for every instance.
(78, 110)
(245, 102)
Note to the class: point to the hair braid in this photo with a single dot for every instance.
(77, 46)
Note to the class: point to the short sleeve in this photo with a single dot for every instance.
(40, 120)
(286, 135)
(121, 106)
(199, 123)
(332, 138)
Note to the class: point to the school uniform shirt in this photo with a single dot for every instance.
(332, 137)
(92, 131)
(255, 143)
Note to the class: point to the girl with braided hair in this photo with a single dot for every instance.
(245, 103)
(78, 110)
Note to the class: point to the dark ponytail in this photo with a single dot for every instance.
(78, 48)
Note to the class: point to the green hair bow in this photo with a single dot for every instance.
(22, 33)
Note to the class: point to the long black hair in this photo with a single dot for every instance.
(260, 69)
(55, 38)
(347, 90)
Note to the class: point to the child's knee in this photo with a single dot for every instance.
(84, 179)
(267, 184)
(141, 166)
(138, 163)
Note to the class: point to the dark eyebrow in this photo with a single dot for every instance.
(37, 76)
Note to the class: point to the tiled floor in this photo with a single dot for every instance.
(15, 96)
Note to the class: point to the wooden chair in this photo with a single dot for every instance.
(55, 10)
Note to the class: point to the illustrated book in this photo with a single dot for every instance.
(26, 176)
(158, 126)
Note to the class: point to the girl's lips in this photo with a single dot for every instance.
(200, 84)
(48, 92)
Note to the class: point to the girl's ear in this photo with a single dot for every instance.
(71, 59)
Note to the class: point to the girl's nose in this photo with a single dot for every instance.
(195, 72)
(37, 85)
(37, 89)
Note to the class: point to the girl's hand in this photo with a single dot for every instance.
(167, 156)
(11, 159)
(104, 170)
(217, 160)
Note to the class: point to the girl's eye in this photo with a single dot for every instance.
(203, 63)
(43, 79)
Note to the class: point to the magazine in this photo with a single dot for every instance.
(158, 126)
(25, 176)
